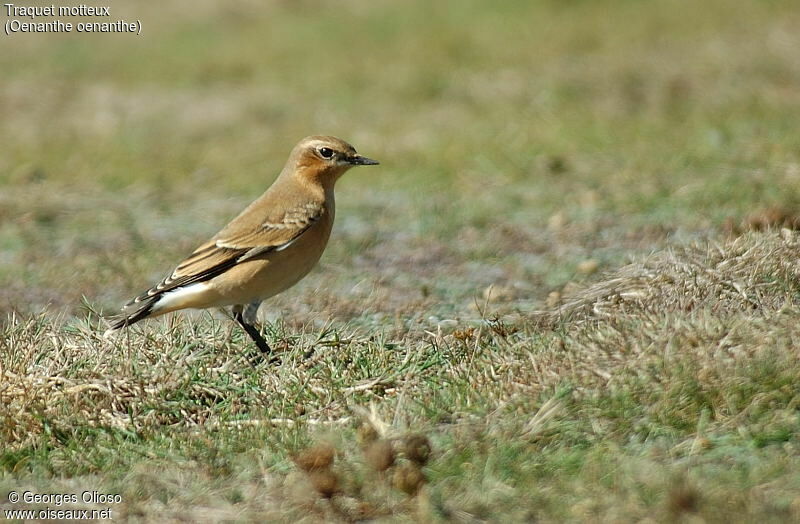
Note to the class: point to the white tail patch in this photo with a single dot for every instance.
(183, 297)
(190, 296)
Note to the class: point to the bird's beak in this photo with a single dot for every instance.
(358, 160)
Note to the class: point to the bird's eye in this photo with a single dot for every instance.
(326, 152)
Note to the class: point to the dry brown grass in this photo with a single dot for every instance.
(747, 273)
(686, 345)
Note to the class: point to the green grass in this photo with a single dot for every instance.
(551, 276)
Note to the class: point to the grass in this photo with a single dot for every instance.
(574, 273)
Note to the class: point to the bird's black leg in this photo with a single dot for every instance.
(251, 330)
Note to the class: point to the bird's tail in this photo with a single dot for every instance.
(133, 312)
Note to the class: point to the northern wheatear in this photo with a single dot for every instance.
(268, 248)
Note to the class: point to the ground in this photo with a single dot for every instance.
(574, 275)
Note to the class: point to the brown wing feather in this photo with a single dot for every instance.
(228, 248)
(273, 231)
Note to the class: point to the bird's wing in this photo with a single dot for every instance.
(234, 245)
(275, 232)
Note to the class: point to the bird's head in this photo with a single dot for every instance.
(323, 159)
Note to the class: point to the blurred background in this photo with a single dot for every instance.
(523, 144)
